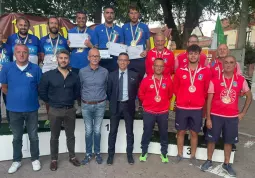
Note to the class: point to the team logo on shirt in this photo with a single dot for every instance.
(165, 60)
(216, 68)
(234, 84)
(60, 41)
(163, 85)
(29, 40)
(153, 58)
(184, 60)
(232, 95)
(200, 76)
(48, 40)
(222, 84)
(17, 41)
(184, 76)
(151, 86)
(28, 74)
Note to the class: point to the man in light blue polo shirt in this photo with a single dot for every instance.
(20, 81)
(105, 33)
(137, 33)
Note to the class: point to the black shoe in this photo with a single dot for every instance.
(130, 159)
(110, 160)
(233, 147)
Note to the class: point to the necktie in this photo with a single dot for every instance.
(121, 87)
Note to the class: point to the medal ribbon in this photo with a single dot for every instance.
(157, 89)
(135, 36)
(25, 39)
(231, 84)
(56, 46)
(109, 36)
(84, 30)
(192, 78)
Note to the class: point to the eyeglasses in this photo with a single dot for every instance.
(94, 56)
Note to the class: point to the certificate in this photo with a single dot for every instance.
(116, 48)
(134, 52)
(77, 40)
(104, 54)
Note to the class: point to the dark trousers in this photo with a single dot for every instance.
(17, 120)
(122, 110)
(57, 116)
(148, 125)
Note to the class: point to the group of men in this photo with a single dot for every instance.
(70, 74)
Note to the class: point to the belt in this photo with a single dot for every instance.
(123, 101)
(92, 102)
(65, 107)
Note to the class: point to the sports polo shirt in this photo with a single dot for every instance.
(147, 93)
(218, 89)
(184, 98)
(100, 36)
(217, 68)
(22, 93)
(79, 57)
(166, 55)
(141, 35)
(32, 42)
(182, 60)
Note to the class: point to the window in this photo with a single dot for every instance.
(248, 36)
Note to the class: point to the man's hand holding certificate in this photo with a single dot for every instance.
(77, 40)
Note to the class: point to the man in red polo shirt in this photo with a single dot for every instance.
(190, 88)
(155, 93)
(160, 51)
(222, 112)
(216, 65)
(182, 59)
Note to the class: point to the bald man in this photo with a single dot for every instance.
(93, 96)
(223, 115)
(160, 51)
(216, 66)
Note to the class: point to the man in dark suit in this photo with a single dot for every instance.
(122, 91)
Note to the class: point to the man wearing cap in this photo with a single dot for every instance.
(190, 88)
(223, 115)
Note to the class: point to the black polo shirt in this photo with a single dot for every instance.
(57, 91)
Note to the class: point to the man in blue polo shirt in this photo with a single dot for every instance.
(105, 33)
(5, 57)
(79, 56)
(136, 33)
(20, 81)
(22, 37)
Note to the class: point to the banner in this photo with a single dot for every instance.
(38, 25)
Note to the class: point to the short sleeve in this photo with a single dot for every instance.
(95, 37)
(121, 35)
(245, 86)
(211, 87)
(147, 32)
(3, 75)
(41, 45)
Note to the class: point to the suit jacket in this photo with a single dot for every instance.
(113, 90)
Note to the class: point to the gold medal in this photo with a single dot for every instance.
(192, 89)
(226, 99)
(157, 98)
(133, 43)
(80, 50)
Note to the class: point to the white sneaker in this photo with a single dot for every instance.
(14, 167)
(36, 165)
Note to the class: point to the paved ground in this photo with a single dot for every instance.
(244, 163)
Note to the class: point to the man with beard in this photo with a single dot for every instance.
(22, 37)
(137, 33)
(59, 88)
(50, 44)
(105, 33)
(79, 56)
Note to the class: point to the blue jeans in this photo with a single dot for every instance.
(17, 120)
(93, 115)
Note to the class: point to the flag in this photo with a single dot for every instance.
(218, 35)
